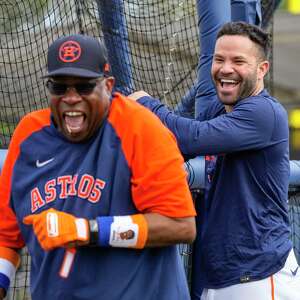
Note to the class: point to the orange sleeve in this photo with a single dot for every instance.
(10, 235)
(159, 181)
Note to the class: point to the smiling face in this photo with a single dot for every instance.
(237, 69)
(80, 111)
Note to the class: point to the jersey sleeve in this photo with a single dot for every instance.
(249, 126)
(159, 182)
(10, 235)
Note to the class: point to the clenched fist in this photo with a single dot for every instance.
(55, 229)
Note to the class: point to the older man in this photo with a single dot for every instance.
(79, 175)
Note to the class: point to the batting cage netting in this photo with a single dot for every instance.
(153, 45)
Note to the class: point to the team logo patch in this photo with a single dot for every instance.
(69, 51)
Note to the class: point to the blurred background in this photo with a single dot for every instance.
(286, 66)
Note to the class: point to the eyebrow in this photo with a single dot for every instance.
(234, 57)
(239, 57)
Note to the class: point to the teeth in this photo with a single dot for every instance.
(73, 114)
(228, 81)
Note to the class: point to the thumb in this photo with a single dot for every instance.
(28, 220)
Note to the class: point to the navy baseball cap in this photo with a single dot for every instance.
(79, 56)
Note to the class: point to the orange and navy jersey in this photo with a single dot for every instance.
(131, 165)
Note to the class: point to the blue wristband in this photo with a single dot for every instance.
(104, 224)
(4, 281)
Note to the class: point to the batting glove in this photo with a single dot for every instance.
(55, 229)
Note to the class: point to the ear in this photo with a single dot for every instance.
(109, 83)
(263, 68)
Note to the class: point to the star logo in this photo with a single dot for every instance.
(69, 51)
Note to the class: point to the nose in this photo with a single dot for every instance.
(71, 96)
(226, 68)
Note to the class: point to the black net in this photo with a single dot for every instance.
(294, 213)
(268, 8)
(19, 289)
(26, 29)
(156, 43)
(153, 44)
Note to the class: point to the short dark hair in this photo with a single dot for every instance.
(253, 32)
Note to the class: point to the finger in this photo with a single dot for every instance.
(28, 220)
(137, 95)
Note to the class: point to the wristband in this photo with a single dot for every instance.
(9, 262)
(123, 231)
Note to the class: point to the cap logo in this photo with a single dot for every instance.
(69, 51)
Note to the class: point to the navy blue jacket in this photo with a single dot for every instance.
(245, 227)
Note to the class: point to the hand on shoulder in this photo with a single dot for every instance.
(137, 95)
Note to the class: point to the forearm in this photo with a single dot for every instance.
(141, 230)
(164, 231)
